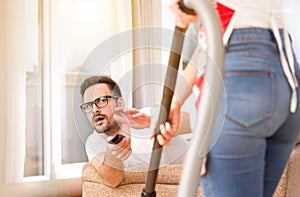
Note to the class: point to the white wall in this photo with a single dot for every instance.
(292, 20)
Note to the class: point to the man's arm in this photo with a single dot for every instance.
(109, 168)
(109, 164)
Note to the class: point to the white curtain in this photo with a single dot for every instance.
(17, 51)
(146, 88)
(121, 67)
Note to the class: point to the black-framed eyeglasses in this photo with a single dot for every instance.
(100, 102)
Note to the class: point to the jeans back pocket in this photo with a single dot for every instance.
(250, 96)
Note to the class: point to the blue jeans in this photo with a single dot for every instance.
(258, 130)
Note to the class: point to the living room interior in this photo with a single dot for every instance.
(48, 48)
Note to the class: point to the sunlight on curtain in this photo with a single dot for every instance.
(121, 67)
(17, 59)
(147, 80)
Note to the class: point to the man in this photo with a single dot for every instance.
(104, 107)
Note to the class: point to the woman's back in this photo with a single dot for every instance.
(255, 13)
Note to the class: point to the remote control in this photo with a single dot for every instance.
(116, 139)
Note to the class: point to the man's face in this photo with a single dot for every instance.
(101, 119)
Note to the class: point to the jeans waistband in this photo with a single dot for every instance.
(247, 34)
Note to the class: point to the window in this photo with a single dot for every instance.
(63, 34)
(54, 147)
(34, 161)
(71, 30)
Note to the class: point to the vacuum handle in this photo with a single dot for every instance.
(168, 91)
(211, 93)
(186, 9)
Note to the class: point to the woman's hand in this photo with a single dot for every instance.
(182, 19)
(169, 129)
(132, 117)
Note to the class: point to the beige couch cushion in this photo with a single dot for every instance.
(95, 189)
(166, 175)
(134, 181)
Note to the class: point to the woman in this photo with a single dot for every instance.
(261, 122)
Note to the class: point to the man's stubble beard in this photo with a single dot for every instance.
(110, 127)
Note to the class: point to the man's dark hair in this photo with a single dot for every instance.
(102, 79)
